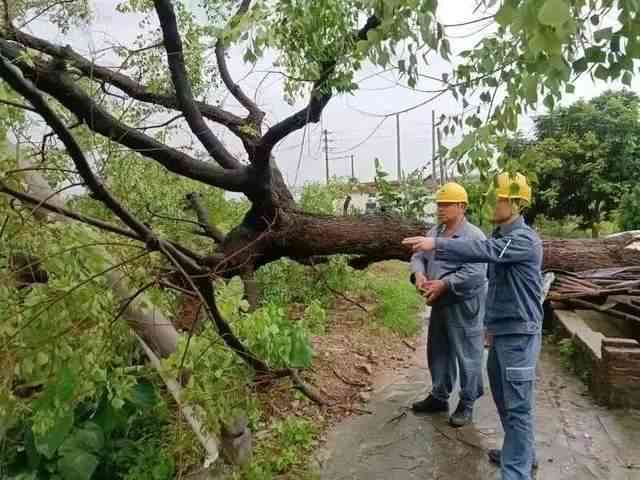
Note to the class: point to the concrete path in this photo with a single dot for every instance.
(576, 439)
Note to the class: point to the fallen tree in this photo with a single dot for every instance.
(52, 78)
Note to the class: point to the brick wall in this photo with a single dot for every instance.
(616, 381)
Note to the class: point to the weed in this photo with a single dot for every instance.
(286, 450)
(574, 359)
(397, 306)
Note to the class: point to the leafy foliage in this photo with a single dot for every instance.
(320, 198)
(407, 198)
(287, 449)
(629, 213)
(585, 158)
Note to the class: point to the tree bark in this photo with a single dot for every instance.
(372, 238)
(587, 254)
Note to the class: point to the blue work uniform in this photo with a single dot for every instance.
(514, 317)
(455, 341)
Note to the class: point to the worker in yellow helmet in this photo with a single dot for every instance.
(456, 293)
(513, 316)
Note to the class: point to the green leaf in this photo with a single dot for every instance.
(549, 102)
(615, 43)
(143, 395)
(249, 56)
(595, 55)
(554, 13)
(601, 72)
(88, 438)
(626, 78)
(77, 465)
(580, 65)
(602, 34)
(570, 88)
(49, 443)
(531, 90)
(107, 417)
(505, 14)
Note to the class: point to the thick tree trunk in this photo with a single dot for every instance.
(373, 238)
(586, 254)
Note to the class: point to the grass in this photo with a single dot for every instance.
(398, 305)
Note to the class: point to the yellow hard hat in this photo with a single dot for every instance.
(513, 187)
(452, 193)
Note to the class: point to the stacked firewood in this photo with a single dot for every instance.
(615, 291)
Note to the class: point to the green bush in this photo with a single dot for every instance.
(321, 198)
(285, 282)
(95, 441)
(629, 213)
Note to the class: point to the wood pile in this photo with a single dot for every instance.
(615, 291)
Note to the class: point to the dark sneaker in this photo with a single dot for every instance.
(494, 457)
(462, 416)
(430, 405)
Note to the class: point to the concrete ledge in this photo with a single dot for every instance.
(576, 328)
(613, 363)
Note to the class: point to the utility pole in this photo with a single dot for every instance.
(326, 154)
(443, 177)
(353, 169)
(433, 145)
(398, 146)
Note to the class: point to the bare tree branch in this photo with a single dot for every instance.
(126, 84)
(203, 288)
(17, 105)
(182, 84)
(255, 114)
(25, 88)
(163, 124)
(45, 10)
(203, 219)
(58, 84)
(24, 197)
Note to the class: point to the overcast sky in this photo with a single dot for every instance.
(356, 122)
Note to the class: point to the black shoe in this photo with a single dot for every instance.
(430, 405)
(462, 416)
(494, 457)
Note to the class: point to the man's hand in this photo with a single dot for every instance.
(421, 279)
(420, 244)
(434, 290)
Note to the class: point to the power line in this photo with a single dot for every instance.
(406, 110)
(367, 138)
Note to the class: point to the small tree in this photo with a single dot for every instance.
(629, 217)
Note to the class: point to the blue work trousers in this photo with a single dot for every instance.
(512, 375)
(455, 343)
